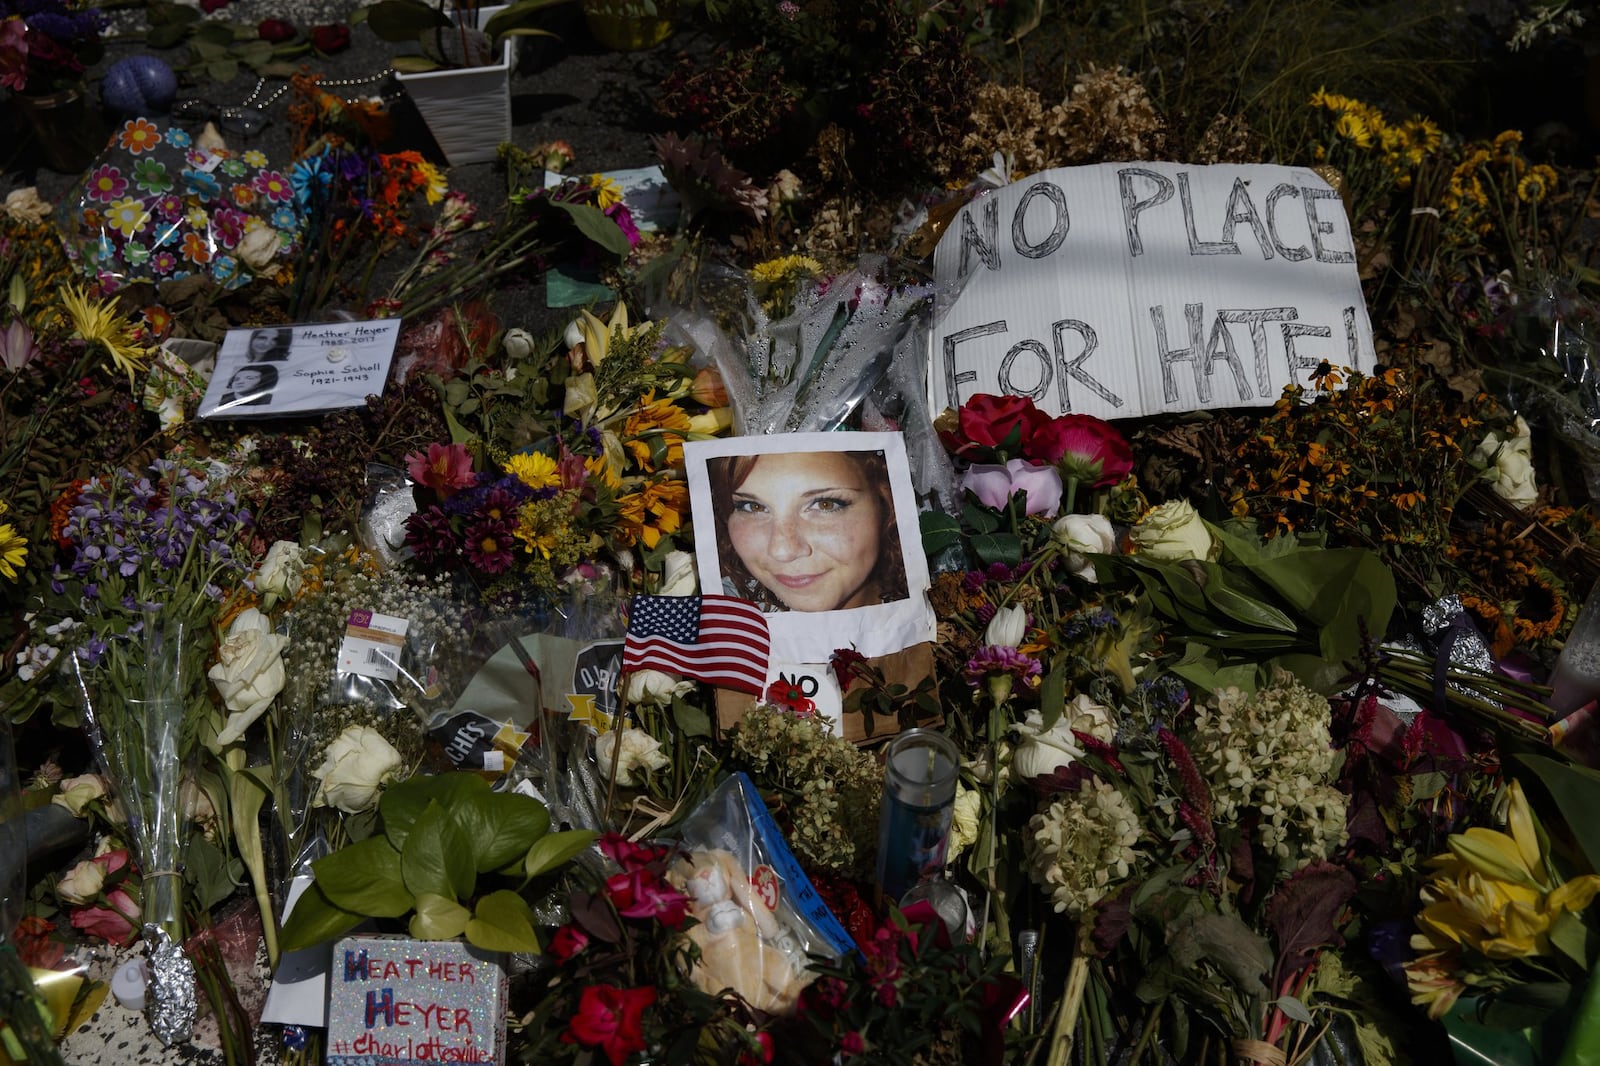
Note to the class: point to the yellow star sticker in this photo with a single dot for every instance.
(584, 710)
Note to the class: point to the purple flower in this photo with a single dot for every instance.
(994, 485)
(92, 651)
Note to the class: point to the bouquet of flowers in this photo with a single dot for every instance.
(48, 44)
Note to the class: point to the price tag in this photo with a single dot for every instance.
(372, 644)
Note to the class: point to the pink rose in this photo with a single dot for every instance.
(116, 923)
(995, 485)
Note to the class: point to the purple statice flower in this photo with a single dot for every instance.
(996, 659)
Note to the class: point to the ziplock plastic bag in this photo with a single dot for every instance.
(760, 921)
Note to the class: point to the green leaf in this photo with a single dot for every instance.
(556, 849)
(437, 857)
(211, 875)
(401, 805)
(1293, 1009)
(997, 548)
(404, 20)
(166, 35)
(978, 518)
(223, 70)
(219, 34)
(500, 826)
(1576, 791)
(597, 226)
(413, 64)
(519, 17)
(939, 531)
(438, 918)
(315, 920)
(365, 878)
(1240, 606)
(692, 721)
(503, 921)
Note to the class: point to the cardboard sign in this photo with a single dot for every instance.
(1128, 289)
(816, 682)
(395, 1001)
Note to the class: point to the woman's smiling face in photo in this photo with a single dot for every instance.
(247, 379)
(810, 529)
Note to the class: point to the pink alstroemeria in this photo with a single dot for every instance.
(995, 485)
(641, 894)
(446, 468)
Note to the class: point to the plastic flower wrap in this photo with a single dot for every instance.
(157, 207)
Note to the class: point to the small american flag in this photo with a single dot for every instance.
(721, 640)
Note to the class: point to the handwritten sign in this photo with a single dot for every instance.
(394, 1002)
(1128, 289)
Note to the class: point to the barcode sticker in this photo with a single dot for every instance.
(372, 645)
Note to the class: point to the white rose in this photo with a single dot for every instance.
(678, 575)
(82, 883)
(76, 793)
(624, 751)
(964, 821)
(1081, 535)
(1173, 531)
(1509, 465)
(1044, 751)
(1094, 719)
(354, 769)
(518, 343)
(655, 687)
(25, 205)
(1007, 628)
(249, 672)
(258, 248)
(280, 572)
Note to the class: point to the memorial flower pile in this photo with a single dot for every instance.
(1232, 657)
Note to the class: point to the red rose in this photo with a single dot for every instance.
(34, 944)
(568, 941)
(995, 424)
(276, 31)
(609, 1018)
(330, 39)
(208, 6)
(1087, 449)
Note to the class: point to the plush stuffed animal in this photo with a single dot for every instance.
(744, 945)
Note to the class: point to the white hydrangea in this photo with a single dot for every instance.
(1271, 752)
(1082, 845)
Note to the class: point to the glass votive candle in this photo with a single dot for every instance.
(1576, 678)
(919, 795)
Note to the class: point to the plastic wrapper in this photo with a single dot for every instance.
(138, 742)
(849, 352)
(154, 207)
(760, 921)
(390, 502)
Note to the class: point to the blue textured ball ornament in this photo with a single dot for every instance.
(139, 85)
